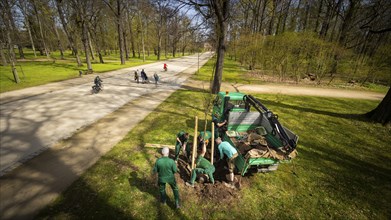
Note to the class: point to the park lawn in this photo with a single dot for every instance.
(232, 72)
(342, 171)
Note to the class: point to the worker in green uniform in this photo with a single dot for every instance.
(203, 166)
(181, 141)
(227, 149)
(204, 137)
(166, 168)
(220, 126)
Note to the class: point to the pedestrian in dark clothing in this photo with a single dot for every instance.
(136, 76)
(156, 77)
(143, 76)
(166, 169)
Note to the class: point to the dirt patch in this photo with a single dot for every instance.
(217, 192)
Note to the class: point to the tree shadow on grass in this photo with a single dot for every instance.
(360, 180)
(359, 117)
(73, 205)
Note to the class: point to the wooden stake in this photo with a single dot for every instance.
(213, 143)
(194, 143)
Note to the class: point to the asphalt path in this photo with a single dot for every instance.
(29, 126)
(51, 134)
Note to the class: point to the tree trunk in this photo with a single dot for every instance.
(31, 37)
(132, 39)
(7, 18)
(3, 59)
(382, 113)
(85, 40)
(120, 36)
(126, 46)
(271, 23)
(91, 49)
(41, 30)
(27, 24)
(347, 22)
(58, 39)
(71, 40)
(221, 9)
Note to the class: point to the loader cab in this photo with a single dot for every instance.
(226, 102)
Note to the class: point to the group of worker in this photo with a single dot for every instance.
(167, 167)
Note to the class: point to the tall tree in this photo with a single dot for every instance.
(219, 11)
(7, 18)
(118, 13)
(68, 33)
(82, 7)
(36, 5)
(22, 4)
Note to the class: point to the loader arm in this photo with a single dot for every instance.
(278, 129)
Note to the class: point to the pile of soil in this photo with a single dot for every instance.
(220, 190)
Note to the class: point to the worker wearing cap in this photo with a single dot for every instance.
(203, 166)
(227, 149)
(181, 141)
(166, 168)
(204, 137)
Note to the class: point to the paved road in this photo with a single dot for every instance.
(38, 165)
(29, 126)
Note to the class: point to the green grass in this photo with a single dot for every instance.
(342, 171)
(232, 72)
(33, 71)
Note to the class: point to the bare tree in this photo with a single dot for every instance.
(6, 14)
(68, 33)
(118, 13)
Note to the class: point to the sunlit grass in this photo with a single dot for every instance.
(342, 170)
(232, 72)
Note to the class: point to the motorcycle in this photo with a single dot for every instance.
(96, 89)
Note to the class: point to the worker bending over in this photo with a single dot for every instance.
(231, 153)
(203, 166)
(181, 141)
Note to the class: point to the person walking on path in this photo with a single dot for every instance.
(156, 77)
(143, 76)
(165, 67)
(181, 141)
(203, 166)
(231, 153)
(136, 77)
(166, 169)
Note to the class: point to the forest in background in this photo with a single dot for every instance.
(345, 39)
(288, 39)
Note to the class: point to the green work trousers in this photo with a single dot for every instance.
(163, 195)
(208, 172)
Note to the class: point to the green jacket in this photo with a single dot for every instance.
(181, 136)
(166, 168)
(203, 163)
